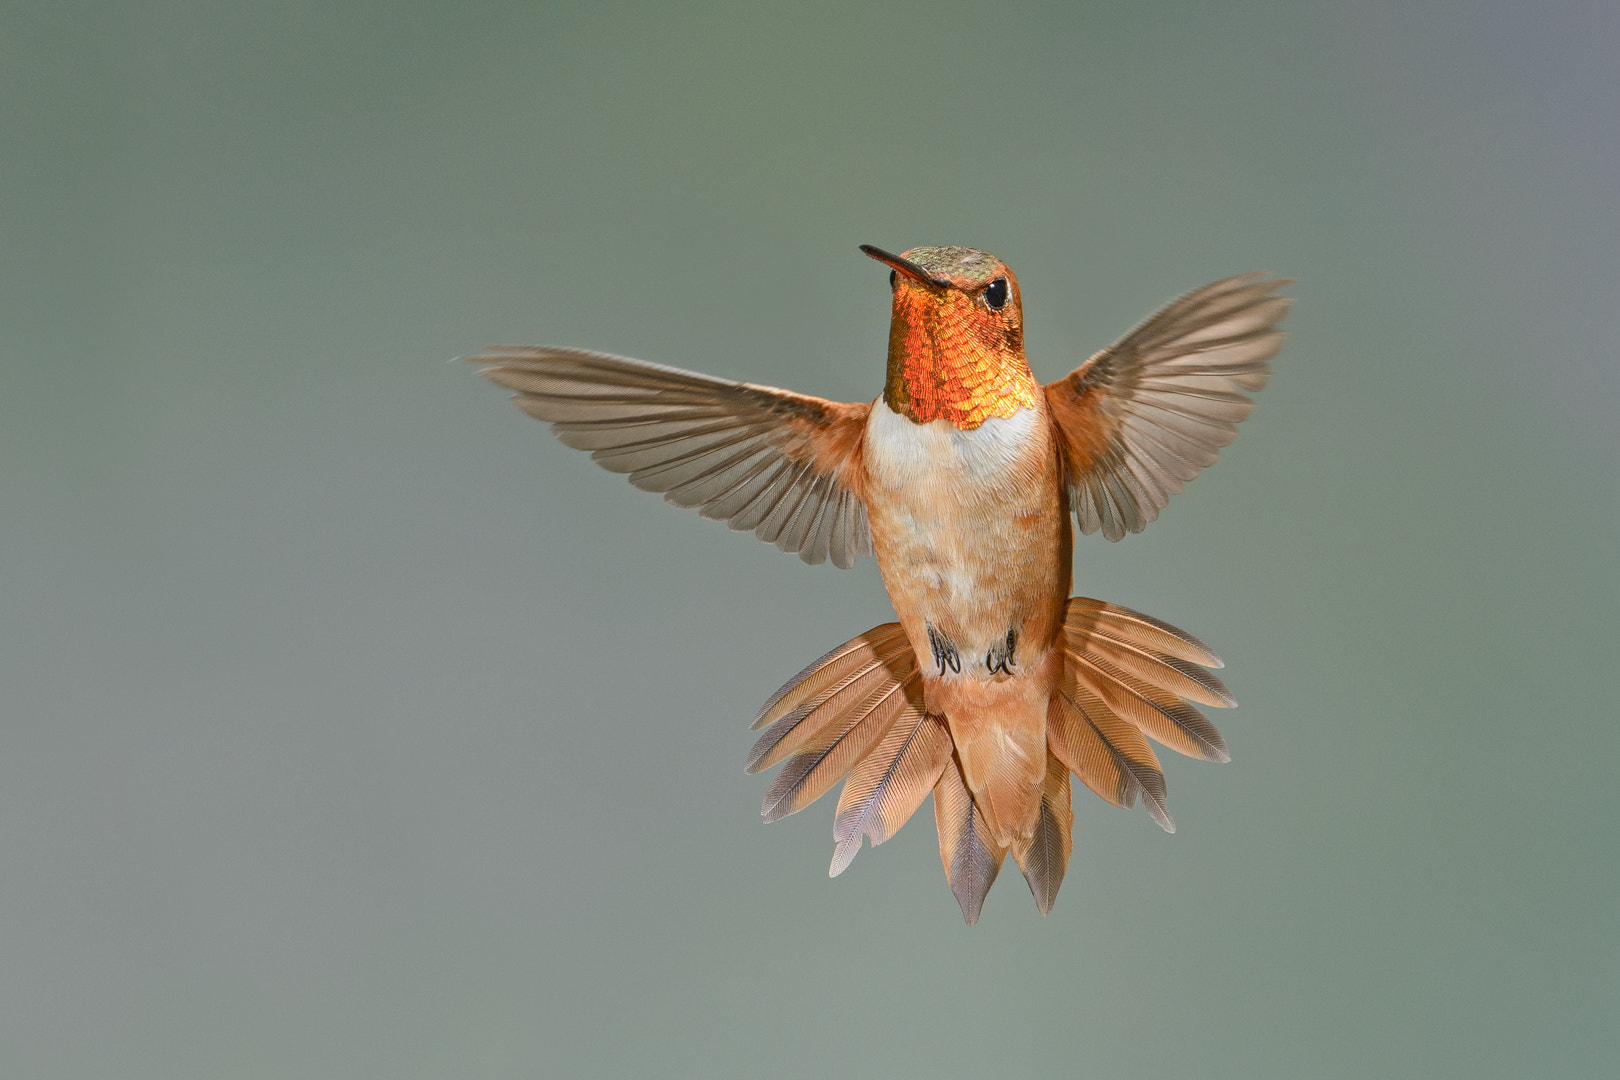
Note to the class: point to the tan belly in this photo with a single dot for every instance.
(969, 534)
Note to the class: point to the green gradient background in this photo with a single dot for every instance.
(353, 727)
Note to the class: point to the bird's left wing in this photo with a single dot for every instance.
(1142, 417)
(784, 465)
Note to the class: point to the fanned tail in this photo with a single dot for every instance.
(859, 713)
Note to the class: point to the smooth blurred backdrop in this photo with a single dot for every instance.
(351, 726)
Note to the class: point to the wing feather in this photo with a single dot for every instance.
(783, 465)
(731, 502)
(752, 517)
(1142, 417)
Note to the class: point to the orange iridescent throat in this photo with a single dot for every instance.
(950, 359)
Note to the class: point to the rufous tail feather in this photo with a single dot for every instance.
(857, 714)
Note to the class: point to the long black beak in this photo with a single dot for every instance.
(905, 266)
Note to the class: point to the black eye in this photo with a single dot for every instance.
(995, 294)
(893, 278)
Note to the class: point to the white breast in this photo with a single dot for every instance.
(901, 454)
(940, 500)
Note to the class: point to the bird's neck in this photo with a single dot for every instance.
(965, 385)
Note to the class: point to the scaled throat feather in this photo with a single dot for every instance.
(944, 363)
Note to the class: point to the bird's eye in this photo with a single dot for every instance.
(995, 294)
(893, 280)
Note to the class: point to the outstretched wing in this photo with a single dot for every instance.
(783, 465)
(1141, 418)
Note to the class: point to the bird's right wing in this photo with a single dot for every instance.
(784, 465)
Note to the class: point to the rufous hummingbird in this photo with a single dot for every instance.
(995, 685)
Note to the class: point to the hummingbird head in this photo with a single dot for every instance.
(956, 337)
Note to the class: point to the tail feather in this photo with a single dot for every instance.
(876, 644)
(1125, 745)
(1144, 668)
(813, 722)
(859, 713)
(1000, 741)
(810, 773)
(1044, 856)
(1085, 616)
(1161, 715)
(1173, 674)
(972, 859)
(886, 788)
(1073, 741)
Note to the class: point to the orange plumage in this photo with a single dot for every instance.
(995, 685)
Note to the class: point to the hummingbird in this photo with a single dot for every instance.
(964, 479)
